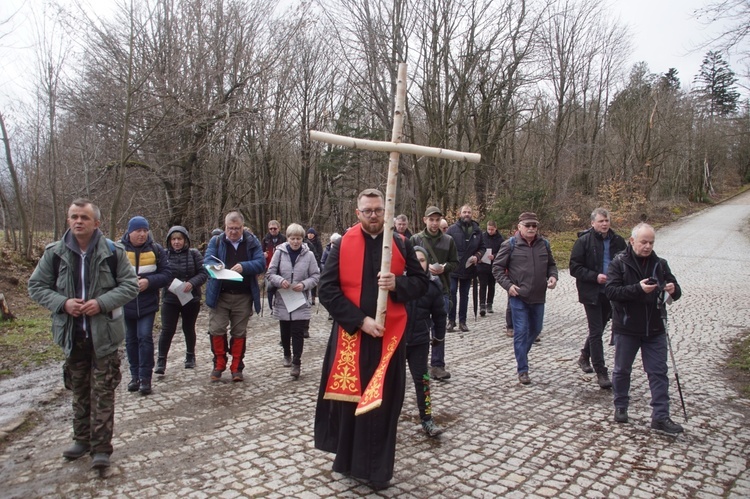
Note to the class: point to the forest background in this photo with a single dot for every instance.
(181, 110)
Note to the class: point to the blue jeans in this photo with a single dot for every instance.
(437, 357)
(462, 286)
(654, 357)
(527, 324)
(139, 344)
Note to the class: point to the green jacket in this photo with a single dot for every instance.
(441, 249)
(107, 332)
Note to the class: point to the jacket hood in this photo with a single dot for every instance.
(182, 230)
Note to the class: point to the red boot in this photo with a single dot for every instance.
(237, 349)
(219, 349)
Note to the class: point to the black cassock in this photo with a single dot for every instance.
(365, 445)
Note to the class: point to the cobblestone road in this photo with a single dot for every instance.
(554, 438)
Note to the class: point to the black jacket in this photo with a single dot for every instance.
(586, 260)
(467, 246)
(185, 265)
(635, 312)
(429, 308)
(493, 243)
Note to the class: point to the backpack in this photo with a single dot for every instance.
(111, 261)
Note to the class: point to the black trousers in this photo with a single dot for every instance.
(293, 332)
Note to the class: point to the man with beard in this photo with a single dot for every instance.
(468, 238)
(359, 427)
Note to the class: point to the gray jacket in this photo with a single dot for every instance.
(51, 292)
(305, 270)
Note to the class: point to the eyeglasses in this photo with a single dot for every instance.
(273, 228)
(377, 211)
(531, 225)
(234, 229)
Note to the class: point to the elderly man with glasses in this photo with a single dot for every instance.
(525, 268)
(231, 302)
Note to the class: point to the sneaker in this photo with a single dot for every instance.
(509, 332)
(78, 449)
(238, 376)
(134, 385)
(585, 365)
(621, 415)
(295, 371)
(189, 361)
(667, 426)
(451, 326)
(431, 429)
(287, 361)
(482, 310)
(439, 373)
(215, 376)
(161, 365)
(463, 327)
(523, 378)
(603, 380)
(489, 308)
(100, 461)
(145, 387)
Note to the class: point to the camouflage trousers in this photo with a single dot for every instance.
(93, 381)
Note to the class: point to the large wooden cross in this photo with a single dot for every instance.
(395, 147)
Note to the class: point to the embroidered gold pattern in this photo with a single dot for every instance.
(345, 373)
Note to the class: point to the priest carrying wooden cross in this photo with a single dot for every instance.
(371, 397)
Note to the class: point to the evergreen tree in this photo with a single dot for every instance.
(716, 84)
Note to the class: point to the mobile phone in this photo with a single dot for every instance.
(651, 281)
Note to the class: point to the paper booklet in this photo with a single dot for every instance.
(292, 299)
(218, 270)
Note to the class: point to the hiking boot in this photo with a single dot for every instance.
(287, 361)
(621, 415)
(161, 365)
(523, 378)
(482, 310)
(189, 361)
(133, 385)
(489, 308)
(667, 426)
(451, 326)
(100, 461)
(603, 380)
(585, 365)
(463, 327)
(215, 376)
(78, 449)
(145, 387)
(238, 376)
(439, 373)
(295, 371)
(509, 332)
(431, 429)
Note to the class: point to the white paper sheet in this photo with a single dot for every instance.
(292, 299)
(178, 289)
(487, 255)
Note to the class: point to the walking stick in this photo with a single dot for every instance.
(671, 354)
(474, 295)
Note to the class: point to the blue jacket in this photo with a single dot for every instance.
(254, 265)
(151, 262)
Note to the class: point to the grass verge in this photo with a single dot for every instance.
(739, 363)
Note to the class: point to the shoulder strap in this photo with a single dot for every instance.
(429, 249)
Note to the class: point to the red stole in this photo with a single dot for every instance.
(344, 380)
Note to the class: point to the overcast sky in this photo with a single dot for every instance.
(665, 34)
